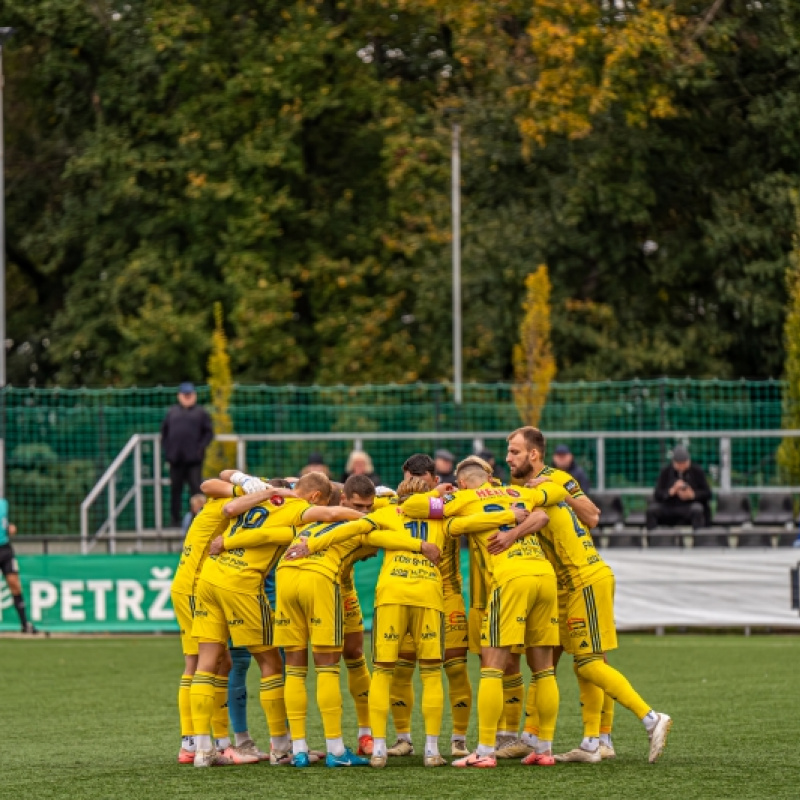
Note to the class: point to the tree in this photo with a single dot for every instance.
(220, 455)
(534, 365)
(789, 450)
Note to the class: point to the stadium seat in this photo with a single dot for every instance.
(664, 537)
(623, 538)
(732, 509)
(637, 519)
(611, 509)
(774, 509)
(709, 537)
(750, 539)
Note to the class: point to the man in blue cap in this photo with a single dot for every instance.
(186, 432)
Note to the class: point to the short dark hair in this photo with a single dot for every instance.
(279, 483)
(360, 485)
(420, 464)
(534, 438)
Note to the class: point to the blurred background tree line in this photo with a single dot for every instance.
(290, 161)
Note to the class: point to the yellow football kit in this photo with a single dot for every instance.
(409, 596)
(524, 558)
(207, 525)
(309, 604)
(230, 593)
(586, 610)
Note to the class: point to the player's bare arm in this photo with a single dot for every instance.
(500, 541)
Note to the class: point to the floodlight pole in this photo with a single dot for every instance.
(4, 34)
(456, 205)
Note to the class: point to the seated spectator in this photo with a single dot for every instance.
(497, 470)
(682, 494)
(316, 463)
(196, 503)
(359, 463)
(565, 461)
(445, 462)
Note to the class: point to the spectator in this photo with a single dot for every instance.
(682, 494)
(445, 463)
(186, 432)
(565, 461)
(196, 502)
(316, 463)
(497, 470)
(10, 568)
(360, 463)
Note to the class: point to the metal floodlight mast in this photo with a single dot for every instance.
(5, 35)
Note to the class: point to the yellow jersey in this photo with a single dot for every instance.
(569, 547)
(254, 542)
(562, 479)
(207, 525)
(331, 544)
(525, 557)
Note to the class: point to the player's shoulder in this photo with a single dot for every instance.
(561, 478)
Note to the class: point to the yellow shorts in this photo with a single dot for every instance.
(308, 608)
(390, 624)
(353, 618)
(456, 634)
(474, 625)
(588, 625)
(184, 613)
(220, 613)
(522, 612)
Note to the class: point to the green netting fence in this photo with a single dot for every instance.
(59, 441)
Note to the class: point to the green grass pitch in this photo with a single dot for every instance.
(97, 718)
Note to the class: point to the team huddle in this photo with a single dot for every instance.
(267, 569)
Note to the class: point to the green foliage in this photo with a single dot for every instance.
(291, 162)
(220, 455)
(789, 451)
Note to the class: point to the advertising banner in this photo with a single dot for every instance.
(85, 594)
(691, 588)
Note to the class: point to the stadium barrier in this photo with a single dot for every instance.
(655, 590)
(137, 468)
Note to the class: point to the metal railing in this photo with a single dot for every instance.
(108, 481)
(358, 440)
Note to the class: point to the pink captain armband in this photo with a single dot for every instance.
(435, 508)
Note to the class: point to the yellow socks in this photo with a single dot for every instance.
(329, 700)
(547, 701)
(607, 715)
(432, 697)
(296, 699)
(490, 706)
(358, 681)
(379, 701)
(402, 696)
(531, 712)
(460, 692)
(612, 682)
(591, 703)
(219, 717)
(513, 701)
(185, 705)
(272, 701)
(202, 697)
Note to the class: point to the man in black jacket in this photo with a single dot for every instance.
(186, 432)
(682, 494)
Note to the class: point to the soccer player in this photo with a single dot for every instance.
(522, 609)
(10, 568)
(409, 599)
(210, 522)
(230, 601)
(309, 609)
(423, 466)
(587, 629)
